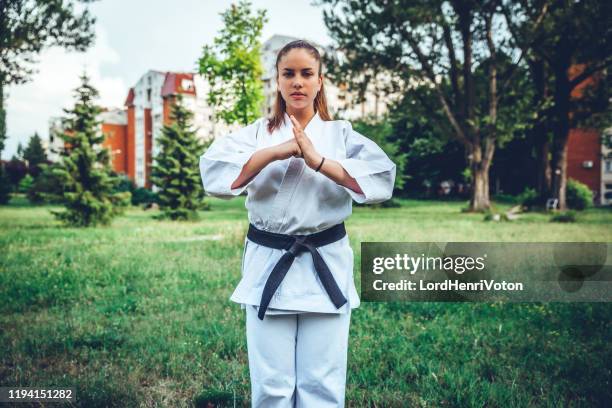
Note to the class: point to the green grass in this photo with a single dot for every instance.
(137, 314)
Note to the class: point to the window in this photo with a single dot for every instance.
(608, 165)
(149, 95)
(187, 84)
(608, 186)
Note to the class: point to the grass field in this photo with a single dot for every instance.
(137, 314)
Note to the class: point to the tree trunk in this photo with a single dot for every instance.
(480, 190)
(561, 128)
(479, 200)
(542, 148)
(539, 133)
(2, 115)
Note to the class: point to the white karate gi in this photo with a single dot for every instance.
(288, 197)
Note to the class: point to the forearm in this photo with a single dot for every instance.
(254, 165)
(334, 171)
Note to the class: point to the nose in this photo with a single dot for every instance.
(297, 82)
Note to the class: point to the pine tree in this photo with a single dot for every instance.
(5, 186)
(176, 169)
(85, 170)
(35, 155)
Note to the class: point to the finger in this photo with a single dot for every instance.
(297, 135)
(296, 124)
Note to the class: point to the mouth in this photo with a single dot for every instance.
(298, 95)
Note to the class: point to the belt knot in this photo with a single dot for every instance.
(297, 246)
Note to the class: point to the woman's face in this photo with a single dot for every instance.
(298, 79)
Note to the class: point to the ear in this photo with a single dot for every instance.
(320, 81)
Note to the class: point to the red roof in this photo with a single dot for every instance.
(129, 101)
(178, 83)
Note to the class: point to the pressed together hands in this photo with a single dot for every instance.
(299, 146)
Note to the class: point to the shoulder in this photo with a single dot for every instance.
(341, 126)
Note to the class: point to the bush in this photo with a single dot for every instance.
(529, 198)
(25, 184)
(578, 195)
(5, 186)
(46, 188)
(565, 216)
(125, 184)
(142, 195)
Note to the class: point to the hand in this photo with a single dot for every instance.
(288, 149)
(311, 157)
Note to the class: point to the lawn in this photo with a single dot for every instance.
(137, 314)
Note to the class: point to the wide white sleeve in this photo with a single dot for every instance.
(221, 164)
(370, 166)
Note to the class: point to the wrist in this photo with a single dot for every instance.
(274, 153)
(315, 161)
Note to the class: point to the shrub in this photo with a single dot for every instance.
(25, 184)
(5, 186)
(142, 195)
(46, 188)
(578, 195)
(565, 216)
(125, 184)
(528, 198)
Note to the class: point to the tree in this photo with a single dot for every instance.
(569, 58)
(176, 170)
(34, 154)
(85, 170)
(5, 187)
(232, 66)
(15, 170)
(446, 45)
(29, 26)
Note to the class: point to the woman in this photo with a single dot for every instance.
(301, 171)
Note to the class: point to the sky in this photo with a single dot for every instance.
(133, 37)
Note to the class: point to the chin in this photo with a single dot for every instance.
(299, 105)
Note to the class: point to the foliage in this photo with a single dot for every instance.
(451, 48)
(5, 186)
(579, 195)
(34, 155)
(47, 187)
(29, 26)
(144, 196)
(15, 170)
(176, 169)
(85, 170)
(420, 128)
(124, 184)
(232, 66)
(569, 60)
(564, 216)
(25, 184)
(529, 198)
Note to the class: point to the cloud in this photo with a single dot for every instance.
(30, 106)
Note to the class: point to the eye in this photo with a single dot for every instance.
(287, 74)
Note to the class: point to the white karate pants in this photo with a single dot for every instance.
(297, 360)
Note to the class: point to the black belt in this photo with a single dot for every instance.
(294, 245)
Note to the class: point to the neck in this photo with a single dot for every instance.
(302, 115)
